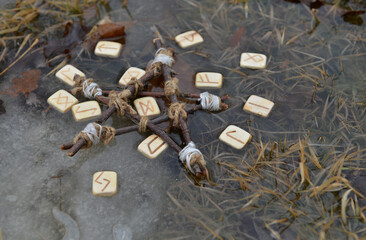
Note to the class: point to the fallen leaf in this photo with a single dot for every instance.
(237, 36)
(110, 30)
(24, 85)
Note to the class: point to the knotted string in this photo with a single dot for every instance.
(190, 155)
(120, 102)
(171, 87)
(86, 86)
(210, 102)
(93, 133)
(177, 110)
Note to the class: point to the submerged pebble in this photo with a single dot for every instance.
(121, 232)
(71, 227)
(11, 198)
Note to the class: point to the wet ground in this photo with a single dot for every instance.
(315, 75)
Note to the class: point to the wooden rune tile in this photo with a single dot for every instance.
(258, 105)
(108, 49)
(253, 60)
(86, 111)
(235, 137)
(208, 80)
(146, 106)
(130, 73)
(105, 183)
(62, 101)
(67, 73)
(188, 39)
(152, 146)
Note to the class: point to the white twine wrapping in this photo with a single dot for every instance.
(210, 102)
(88, 90)
(92, 132)
(185, 155)
(163, 58)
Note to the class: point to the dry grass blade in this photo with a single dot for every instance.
(23, 44)
(344, 205)
(175, 201)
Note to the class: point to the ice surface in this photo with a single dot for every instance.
(71, 227)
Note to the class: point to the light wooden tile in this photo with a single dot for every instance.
(105, 183)
(188, 39)
(130, 73)
(108, 49)
(208, 80)
(235, 137)
(86, 111)
(258, 105)
(67, 73)
(253, 60)
(152, 146)
(62, 101)
(146, 106)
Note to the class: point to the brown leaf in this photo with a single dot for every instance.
(109, 30)
(24, 85)
(236, 38)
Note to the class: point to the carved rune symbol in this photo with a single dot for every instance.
(255, 58)
(188, 37)
(156, 149)
(108, 181)
(229, 135)
(85, 110)
(257, 105)
(59, 98)
(207, 79)
(66, 76)
(131, 74)
(146, 107)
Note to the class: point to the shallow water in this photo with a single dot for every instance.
(156, 199)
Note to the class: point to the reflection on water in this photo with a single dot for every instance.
(299, 177)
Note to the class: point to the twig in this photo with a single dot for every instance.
(121, 131)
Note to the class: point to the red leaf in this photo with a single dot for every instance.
(24, 85)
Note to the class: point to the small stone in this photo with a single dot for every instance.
(121, 232)
(11, 198)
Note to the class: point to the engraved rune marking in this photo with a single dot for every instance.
(66, 76)
(257, 105)
(207, 79)
(147, 106)
(96, 180)
(156, 149)
(86, 110)
(66, 102)
(102, 46)
(234, 137)
(254, 58)
(132, 74)
(189, 37)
